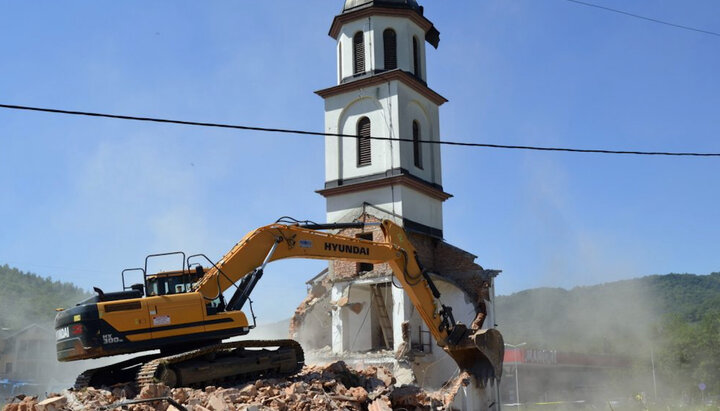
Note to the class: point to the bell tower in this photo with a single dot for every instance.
(382, 92)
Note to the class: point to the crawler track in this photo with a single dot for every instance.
(216, 364)
(121, 372)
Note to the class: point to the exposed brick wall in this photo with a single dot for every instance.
(435, 255)
(345, 270)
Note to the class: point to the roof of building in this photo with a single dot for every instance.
(357, 8)
(351, 5)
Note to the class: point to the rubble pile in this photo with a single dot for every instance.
(330, 387)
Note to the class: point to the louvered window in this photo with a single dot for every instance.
(390, 48)
(363, 142)
(416, 57)
(359, 53)
(417, 148)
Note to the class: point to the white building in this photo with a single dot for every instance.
(382, 91)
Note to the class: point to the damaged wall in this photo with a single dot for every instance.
(464, 285)
(311, 321)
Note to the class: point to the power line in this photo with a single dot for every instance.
(315, 133)
(637, 16)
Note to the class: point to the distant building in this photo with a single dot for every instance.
(549, 376)
(27, 354)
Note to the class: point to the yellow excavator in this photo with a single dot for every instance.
(185, 316)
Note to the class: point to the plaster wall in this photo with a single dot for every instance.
(342, 114)
(339, 316)
(359, 324)
(339, 206)
(413, 106)
(353, 331)
(400, 200)
(401, 312)
(434, 369)
(420, 208)
(391, 108)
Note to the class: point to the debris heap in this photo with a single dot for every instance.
(331, 387)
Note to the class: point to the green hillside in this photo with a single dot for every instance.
(677, 316)
(28, 298)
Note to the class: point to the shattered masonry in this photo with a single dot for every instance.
(332, 387)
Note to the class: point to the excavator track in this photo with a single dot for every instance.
(121, 372)
(240, 360)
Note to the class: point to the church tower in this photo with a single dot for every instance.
(382, 91)
(385, 169)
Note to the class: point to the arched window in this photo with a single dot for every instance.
(359, 53)
(416, 57)
(364, 155)
(390, 48)
(417, 148)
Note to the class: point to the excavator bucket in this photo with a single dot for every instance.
(480, 354)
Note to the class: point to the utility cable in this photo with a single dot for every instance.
(315, 133)
(637, 16)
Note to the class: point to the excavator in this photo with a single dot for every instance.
(182, 317)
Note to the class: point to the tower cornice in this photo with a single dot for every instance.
(432, 35)
(371, 182)
(382, 78)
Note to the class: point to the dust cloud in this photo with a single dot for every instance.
(597, 345)
(28, 363)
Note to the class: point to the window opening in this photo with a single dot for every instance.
(359, 53)
(417, 148)
(364, 267)
(416, 57)
(390, 48)
(364, 155)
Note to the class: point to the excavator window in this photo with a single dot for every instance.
(216, 306)
(168, 285)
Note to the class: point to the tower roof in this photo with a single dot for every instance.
(352, 5)
(410, 8)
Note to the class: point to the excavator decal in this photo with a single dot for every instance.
(347, 249)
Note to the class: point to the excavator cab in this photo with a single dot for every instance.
(165, 282)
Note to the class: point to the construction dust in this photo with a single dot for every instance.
(331, 387)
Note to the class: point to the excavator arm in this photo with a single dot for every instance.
(479, 352)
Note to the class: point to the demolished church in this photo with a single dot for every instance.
(356, 311)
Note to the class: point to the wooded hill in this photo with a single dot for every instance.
(592, 318)
(26, 298)
(677, 316)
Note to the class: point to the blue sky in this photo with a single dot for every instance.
(84, 198)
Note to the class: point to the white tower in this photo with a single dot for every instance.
(382, 92)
